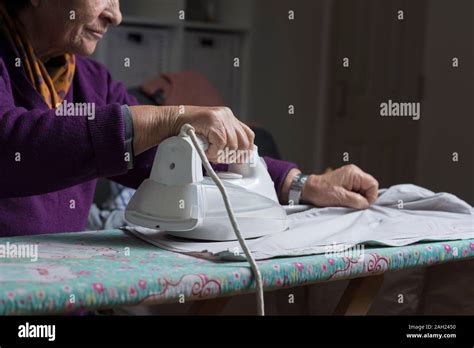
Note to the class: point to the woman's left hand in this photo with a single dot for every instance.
(348, 186)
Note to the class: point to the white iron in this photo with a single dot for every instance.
(177, 198)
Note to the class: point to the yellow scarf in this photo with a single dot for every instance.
(53, 85)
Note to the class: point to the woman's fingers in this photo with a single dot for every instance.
(217, 139)
(369, 187)
(347, 186)
(237, 139)
(352, 199)
(250, 135)
(356, 180)
(226, 135)
(243, 154)
(232, 139)
(243, 139)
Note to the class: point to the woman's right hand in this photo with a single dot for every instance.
(218, 125)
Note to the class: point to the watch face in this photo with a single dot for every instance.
(299, 181)
(294, 195)
(304, 178)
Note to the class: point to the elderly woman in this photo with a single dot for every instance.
(49, 164)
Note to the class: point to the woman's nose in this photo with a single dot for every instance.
(112, 12)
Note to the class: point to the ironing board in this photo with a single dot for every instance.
(107, 269)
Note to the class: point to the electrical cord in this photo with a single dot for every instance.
(189, 130)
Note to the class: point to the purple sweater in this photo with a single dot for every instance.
(49, 165)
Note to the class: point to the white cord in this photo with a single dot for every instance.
(188, 129)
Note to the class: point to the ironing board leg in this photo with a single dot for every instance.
(356, 300)
(359, 295)
(209, 307)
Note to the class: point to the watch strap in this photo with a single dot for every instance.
(296, 188)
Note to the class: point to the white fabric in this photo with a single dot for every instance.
(402, 215)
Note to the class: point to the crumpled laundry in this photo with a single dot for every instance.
(402, 215)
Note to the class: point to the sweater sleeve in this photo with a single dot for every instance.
(278, 171)
(142, 163)
(42, 152)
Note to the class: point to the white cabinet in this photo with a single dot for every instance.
(155, 39)
(214, 56)
(134, 54)
(153, 48)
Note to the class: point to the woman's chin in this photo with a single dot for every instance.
(87, 48)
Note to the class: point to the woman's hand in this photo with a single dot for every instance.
(218, 125)
(347, 186)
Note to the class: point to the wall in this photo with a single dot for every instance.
(284, 60)
(447, 109)
(285, 69)
(230, 12)
(166, 10)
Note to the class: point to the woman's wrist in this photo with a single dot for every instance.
(307, 194)
(152, 125)
(285, 189)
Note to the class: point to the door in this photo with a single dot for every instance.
(385, 55)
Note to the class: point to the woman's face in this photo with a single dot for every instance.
(76, 26)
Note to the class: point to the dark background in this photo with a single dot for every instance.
(299, 62)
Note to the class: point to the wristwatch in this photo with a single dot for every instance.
(296, 188)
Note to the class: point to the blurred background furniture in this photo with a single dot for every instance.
(288, 76)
